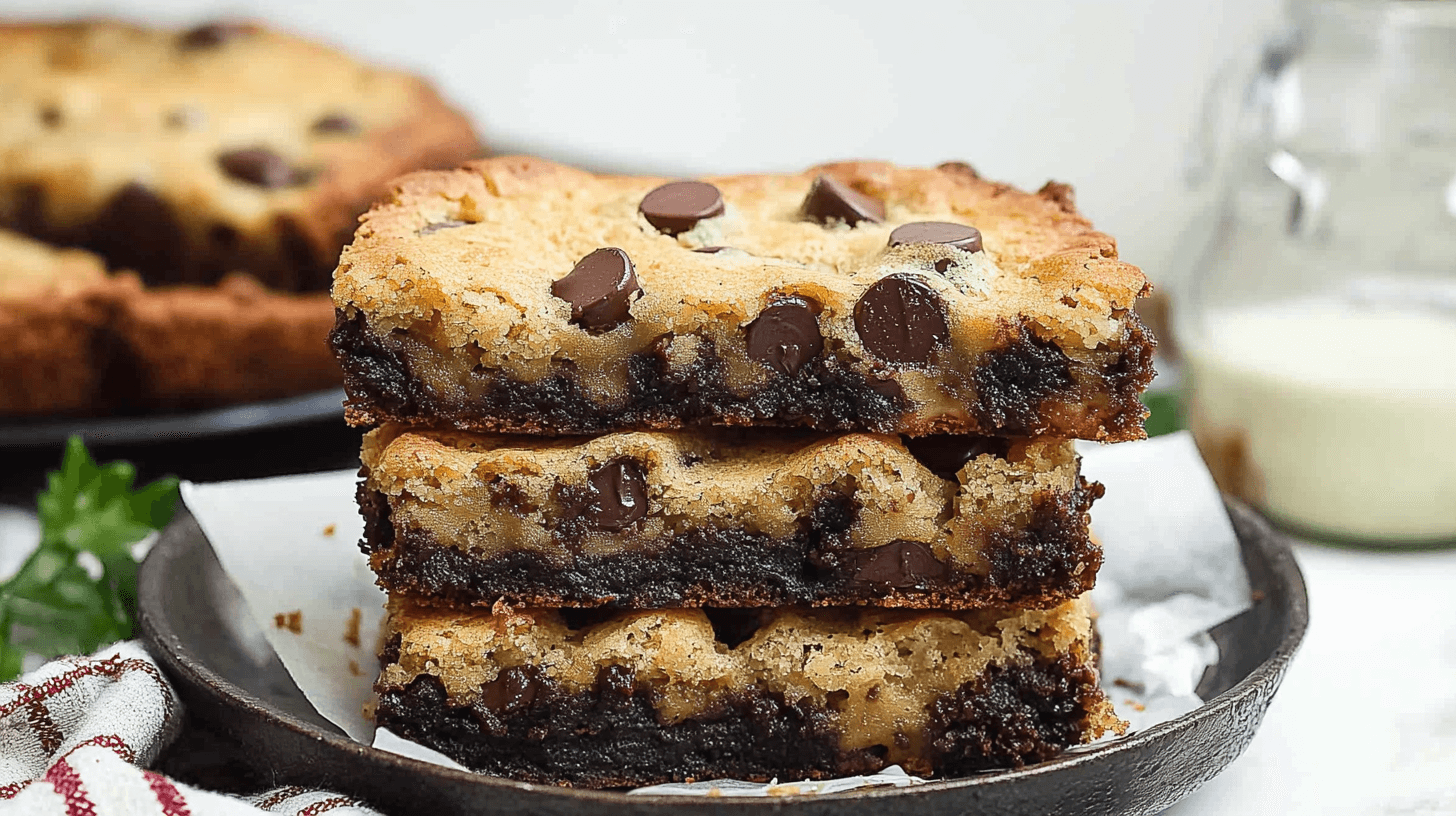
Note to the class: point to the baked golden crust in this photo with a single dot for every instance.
(477, 297)
(112, 137)
(80, 341)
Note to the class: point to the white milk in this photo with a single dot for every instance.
(1343, 408)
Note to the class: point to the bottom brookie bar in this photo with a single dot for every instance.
(614, 699)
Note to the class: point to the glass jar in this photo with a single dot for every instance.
(1319, 326)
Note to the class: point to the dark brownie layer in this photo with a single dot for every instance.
(1050, 559)
(1024, 387)
(526, 727)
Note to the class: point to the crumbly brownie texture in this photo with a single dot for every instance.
(81, 342)
(516, 295)
(726, 518)
(636, 698)
(187, 155)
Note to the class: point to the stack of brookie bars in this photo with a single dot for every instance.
(751, 477)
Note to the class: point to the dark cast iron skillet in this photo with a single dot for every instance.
(193, 618)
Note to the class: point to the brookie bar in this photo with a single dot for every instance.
(635, 698)
(726, 518)
(517, 295)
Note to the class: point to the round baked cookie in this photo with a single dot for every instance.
(185, 155)
(79, 341)
(54, 306)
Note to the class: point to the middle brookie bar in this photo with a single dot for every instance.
(727, 519)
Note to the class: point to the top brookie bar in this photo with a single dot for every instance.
(517, 295)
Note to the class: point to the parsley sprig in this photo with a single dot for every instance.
(77, 591)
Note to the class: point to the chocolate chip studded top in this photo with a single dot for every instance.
(185, 155)
(791, 320)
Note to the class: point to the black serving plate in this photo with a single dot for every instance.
(127, 430)
(230, 679)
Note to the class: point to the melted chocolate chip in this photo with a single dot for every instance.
(336, 123)
(830, 200)
(212, 35)
(514, 688)
(785, 335)
(712, 250)
(50, 115)
(621, 495)
(959, 236)
(261, 167)
(900, 564)
(448, 223)
(901, 320)
(678, 206)
(600, 289)
(945, 454)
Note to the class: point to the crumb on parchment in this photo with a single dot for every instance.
(1135, 705)
(292, 621)
(351, 629)
(354, 668)
(329, 530)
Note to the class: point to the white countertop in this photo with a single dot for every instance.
(1366, 719)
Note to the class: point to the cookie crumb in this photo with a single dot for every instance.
(351, 629)
(354, 668)
(1128, 684)
(1135, 705)
(330, 530)
(292, 621)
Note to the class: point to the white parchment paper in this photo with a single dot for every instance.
(1172, 571)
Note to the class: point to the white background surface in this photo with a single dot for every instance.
(1102, 93)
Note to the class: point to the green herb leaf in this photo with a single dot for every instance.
(1165, 413)
(77, 591)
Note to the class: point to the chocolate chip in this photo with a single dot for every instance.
(901, 320)
(712, 250)
(260, 166)
(900, 564)
(514, 688)
(212, 35)
(959, 236)
(448, 223)
(678, 206)
(830, 200)
(50, 115)
(336, 123)
(785, 335)
(600, 289)
(621, 495)
(945, 454)
(138, 230)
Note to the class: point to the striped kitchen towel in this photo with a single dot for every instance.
(77, 735)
